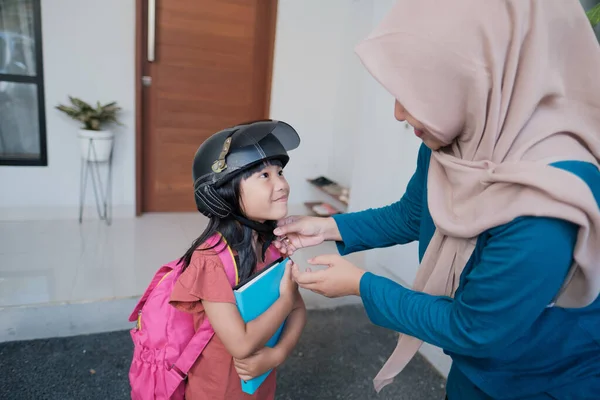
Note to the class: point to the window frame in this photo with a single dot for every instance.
(38, 80)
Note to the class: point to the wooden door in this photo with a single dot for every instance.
(212, 69)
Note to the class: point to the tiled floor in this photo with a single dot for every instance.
(60, 278)
(49, 262)
(63, 261)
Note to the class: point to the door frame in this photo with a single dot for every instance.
(140, 54)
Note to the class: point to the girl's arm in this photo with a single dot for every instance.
(292, 331)
(241, 339)
(268, 358)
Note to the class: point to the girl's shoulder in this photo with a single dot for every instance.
(204, 279)
(205, 265)
(205, 258)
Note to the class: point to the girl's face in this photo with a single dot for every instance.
(402, 115)
(264, 194)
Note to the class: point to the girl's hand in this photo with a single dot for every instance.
(288, 287)
(257, 364)
(341, 278)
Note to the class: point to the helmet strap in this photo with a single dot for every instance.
(264, 230)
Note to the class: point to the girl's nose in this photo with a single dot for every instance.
(282, 185)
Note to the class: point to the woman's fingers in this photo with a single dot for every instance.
(288, 225)
(307, 277)
(314, 287)
(284, 245)
(326, 259)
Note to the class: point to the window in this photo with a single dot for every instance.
(22, 115)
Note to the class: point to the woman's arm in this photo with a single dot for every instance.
(243, 339)
(522, 268)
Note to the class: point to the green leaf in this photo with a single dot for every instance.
(594, 15)
(109, 104)
(92, 117)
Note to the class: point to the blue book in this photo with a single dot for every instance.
(253, 298)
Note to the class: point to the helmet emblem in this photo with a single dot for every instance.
(219, 165)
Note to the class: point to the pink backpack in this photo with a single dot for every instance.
(165, 343)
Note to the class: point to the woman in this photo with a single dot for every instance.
(504, 201)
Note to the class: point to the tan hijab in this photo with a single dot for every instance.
(511, 86)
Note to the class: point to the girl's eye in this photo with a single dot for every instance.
(264, 175)
(281, 173)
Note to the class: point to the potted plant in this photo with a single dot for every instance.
(94, 119)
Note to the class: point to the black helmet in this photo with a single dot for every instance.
(232, 151)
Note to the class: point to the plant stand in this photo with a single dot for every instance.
(102, 192)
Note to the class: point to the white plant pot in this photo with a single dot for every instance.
(96, 146)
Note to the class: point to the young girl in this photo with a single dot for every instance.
(239, 185)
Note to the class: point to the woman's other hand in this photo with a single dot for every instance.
(341, 278)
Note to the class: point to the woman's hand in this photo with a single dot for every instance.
(257, 364)
(341, 278)
(297, 232)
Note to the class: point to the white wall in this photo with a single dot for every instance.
(314, 86)
(385, 156)
(89, 53)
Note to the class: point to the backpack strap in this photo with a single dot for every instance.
(275, 253)
(227, 258)
(192, 351)
(205, 332)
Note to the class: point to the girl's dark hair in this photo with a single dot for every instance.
(238, 236)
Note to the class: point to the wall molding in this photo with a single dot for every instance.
(61, 212)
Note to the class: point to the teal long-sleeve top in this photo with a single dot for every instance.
(504, 338)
